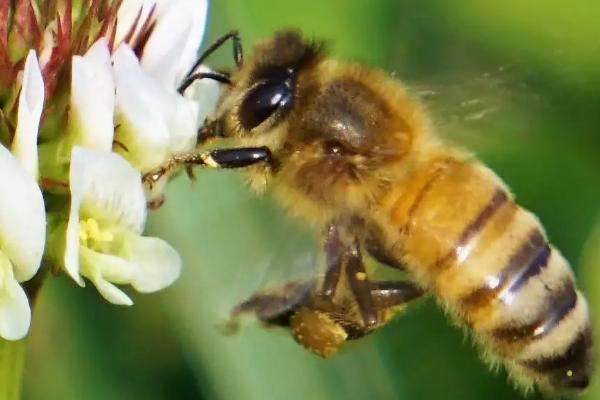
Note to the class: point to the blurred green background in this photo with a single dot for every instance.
(517, 82)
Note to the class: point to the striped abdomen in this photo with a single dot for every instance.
(458, 231)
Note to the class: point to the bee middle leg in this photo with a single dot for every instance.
(373, 298)
(387, 294)
(376, 298)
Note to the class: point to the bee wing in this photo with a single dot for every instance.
(285, 280)
(462, 103)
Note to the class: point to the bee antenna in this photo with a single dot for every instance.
(238, 57)
(215, 76)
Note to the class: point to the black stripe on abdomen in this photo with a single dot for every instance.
(471, 231)
(559, 304)
(572, 368)
(526, 263)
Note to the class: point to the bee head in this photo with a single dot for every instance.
(330, 127)
(256, 107)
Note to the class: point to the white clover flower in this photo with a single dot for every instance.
(103, 236)
(81, 82)
(97, 100)
(22, 214)
(154, 121)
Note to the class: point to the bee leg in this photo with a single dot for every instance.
(379, 255)
(334, 257)
(361, 286)
(322, 325)
(340, 256)
(324, 328)
(189, 171)
(220, 158)
(389, 294)
(375, 299)
(275, 307)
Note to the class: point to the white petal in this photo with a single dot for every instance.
(92, 98)
(183, 126)
(31, 103)
(204, 93)
(199, 10)
(128, 12)
(157, 264)
(110, 267)
(15, 314)
(103, 268)
(108, 187)
(153, 122)
(99, 53)
(173, 45)
(71, 258)
(22, 217)
(111, 293)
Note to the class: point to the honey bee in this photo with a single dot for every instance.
(348, 150)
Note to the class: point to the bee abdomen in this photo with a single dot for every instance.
(571, 368)
(532, 313)
(488, 260)
(538, 319)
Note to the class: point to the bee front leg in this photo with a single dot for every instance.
(219, 158)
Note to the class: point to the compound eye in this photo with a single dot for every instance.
(264, 100)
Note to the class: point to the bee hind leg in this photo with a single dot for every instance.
(323, 323)
(275, 307)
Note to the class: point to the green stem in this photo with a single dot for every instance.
(12, 353)
(12, 362)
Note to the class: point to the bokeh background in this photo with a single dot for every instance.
(516, 82)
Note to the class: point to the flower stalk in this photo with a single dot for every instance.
(12, 363)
